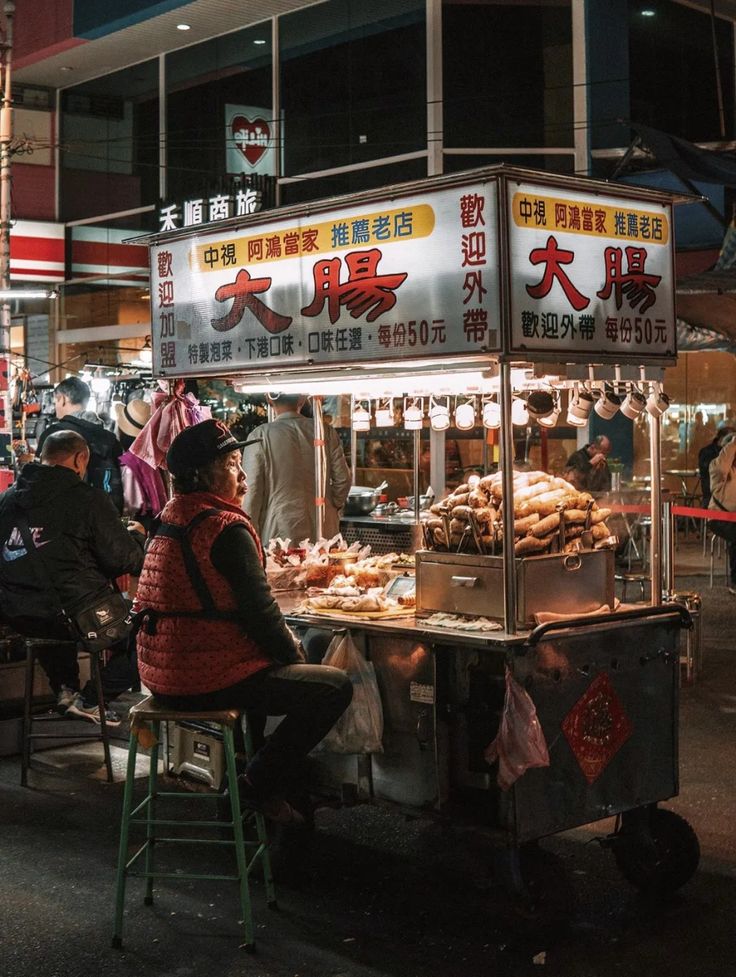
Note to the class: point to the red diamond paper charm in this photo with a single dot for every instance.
(597, 727)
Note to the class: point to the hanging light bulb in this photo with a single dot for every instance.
(519, 412)
(361, 415)
(413, 413)
(145, 354)
(439, 413)
(385, 412)
(491, 414)
(550, 420)
(465, 414)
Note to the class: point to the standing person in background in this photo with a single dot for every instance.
(280, 470)
(706, 456)
(71, 397)
(588, 469)
(723, 498)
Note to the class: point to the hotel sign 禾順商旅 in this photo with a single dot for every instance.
(591, 275)
(410, 278)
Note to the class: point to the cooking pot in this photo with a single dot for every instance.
(362, 500)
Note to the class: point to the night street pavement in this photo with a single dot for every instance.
(386, 896)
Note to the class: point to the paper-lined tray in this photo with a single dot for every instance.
(333, 612)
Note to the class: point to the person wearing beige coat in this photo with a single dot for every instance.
(280, 472)
(722, 473)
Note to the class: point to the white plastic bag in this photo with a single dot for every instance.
(520, 743)
(360, 728)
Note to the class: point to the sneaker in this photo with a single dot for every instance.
(65, 698)
(92, 713)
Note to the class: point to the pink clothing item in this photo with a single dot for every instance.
(171, 415)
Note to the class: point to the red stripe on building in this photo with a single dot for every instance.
(37, 249)
(102, 253)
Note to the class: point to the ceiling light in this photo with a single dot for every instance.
(259, 41)
(7, 294)
(648, 13)
(183, 27)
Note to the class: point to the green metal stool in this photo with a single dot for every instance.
(248, 853)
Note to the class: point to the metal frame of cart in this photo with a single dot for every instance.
(561, 277)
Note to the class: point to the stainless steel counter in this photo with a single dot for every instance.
(408, 627)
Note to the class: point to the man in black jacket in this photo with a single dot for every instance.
(83, 544)
(71, 397)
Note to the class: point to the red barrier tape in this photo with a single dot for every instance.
(679, 510)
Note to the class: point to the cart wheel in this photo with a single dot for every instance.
(658, 855)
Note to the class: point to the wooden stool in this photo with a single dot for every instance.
(33, 646)
(248, 854)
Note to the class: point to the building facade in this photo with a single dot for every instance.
(122, 107)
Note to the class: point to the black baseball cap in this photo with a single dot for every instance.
(201, 444)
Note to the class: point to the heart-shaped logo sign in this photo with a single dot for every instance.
(251, 137)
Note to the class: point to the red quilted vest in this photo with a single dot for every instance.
(190, 655)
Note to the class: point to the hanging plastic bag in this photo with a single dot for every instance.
(360, 728)
(520, 743)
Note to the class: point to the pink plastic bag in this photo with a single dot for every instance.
(520, 743)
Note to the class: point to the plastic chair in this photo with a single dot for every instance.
(248, 854)
(33, 646)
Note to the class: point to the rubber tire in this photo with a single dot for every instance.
(677, 853)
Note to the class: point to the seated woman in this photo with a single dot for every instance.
(212, 635)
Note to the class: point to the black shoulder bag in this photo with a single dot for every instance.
(147, 617)
(97, 622)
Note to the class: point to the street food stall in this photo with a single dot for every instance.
(516, 693)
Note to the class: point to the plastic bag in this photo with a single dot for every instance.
(360, 728)
(520, 743)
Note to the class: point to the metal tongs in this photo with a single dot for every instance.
(476, 530)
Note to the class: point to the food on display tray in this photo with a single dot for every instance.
(550, 515)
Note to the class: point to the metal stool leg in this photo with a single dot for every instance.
(262, 834)
(94, 660)
(232, 783)
(27, 714)
(122, 871)
(151, 813)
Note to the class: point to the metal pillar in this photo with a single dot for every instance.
(417, 492)
(320, 472)
(6, 137)
(668, 549)
(656, 509)
(507, 464)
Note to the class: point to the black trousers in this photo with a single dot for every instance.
(118, 674)
(311, 698)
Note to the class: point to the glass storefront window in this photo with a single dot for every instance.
(556, 163)
(507, 73)
(701, 390)
(109, 287)
(353, 83)
(375, 176)
(672, 71)
(110, 143)
(219, 112)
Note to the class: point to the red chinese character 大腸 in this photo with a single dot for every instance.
(363, 290)
(635, 283)
(553, 257)
(243, 292)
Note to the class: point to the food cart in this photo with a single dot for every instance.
(491, 284)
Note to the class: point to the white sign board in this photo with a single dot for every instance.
(249, 140)
(591, 275)
(407, 278)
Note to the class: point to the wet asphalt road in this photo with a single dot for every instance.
(386, 896)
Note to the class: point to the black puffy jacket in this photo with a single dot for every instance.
(103, 471)
(78, 535)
